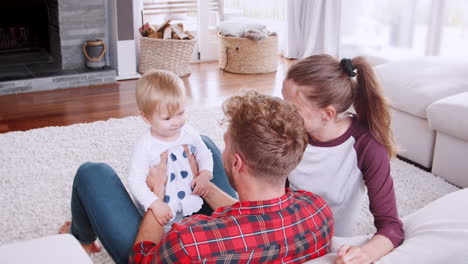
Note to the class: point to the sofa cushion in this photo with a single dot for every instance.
(450, 115)
(412, 85)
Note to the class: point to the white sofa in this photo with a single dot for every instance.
(449, 118)
(437, 233)
(428, 107)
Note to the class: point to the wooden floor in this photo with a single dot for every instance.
(207, 85)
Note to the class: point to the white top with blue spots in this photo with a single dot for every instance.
(179, 195)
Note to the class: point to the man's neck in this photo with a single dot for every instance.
(256, 191)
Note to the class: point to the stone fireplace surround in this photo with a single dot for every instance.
(78, 21)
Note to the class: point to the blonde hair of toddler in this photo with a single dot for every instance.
(157, 89)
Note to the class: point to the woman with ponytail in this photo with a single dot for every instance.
(348, 154)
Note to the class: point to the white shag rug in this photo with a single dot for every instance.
(37, 169)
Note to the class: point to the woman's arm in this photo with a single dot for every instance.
(382, 202)
(375, 166)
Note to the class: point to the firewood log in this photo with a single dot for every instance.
(180, 33)
(167, 33)
(181, 26)
(163, 26)
(155, 34)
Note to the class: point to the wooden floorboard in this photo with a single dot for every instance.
(207, 85)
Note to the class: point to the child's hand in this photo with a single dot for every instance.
(161, 211)
(201, 182)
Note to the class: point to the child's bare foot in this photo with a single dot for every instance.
(89, 248)
(65, 228)
(94, 247)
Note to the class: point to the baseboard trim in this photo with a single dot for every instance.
(414, 163)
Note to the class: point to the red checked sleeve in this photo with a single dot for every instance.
(169, 250)
(142, 253)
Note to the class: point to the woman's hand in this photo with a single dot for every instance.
(352, 255)
(371, 251)
(157, 177)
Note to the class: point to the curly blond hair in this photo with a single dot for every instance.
(267, 132)
(156, 89)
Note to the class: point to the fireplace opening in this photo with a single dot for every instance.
(29, 33)
(41, 44)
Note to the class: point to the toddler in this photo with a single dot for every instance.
(160, 99)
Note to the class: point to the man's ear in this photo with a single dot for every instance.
(238, 164)
(144, 118)
(328, 113)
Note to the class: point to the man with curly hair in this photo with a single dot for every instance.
(265, 141)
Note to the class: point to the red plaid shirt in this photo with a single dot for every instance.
(292, 229)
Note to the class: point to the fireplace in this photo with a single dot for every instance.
(41, 43)
(29, 33)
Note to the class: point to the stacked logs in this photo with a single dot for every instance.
(166, 31)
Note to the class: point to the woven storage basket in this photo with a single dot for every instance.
(166, 54)
(242, 55)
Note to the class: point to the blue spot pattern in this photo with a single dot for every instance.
(173, 157)
(193, 149)
(172, 177)
(167, 198)
(181, 195)
(183, 154)
(184, 174)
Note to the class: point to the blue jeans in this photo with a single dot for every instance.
(101, 207)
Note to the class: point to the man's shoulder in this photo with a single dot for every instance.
(189, 223)
(308, 197)
(207, 237)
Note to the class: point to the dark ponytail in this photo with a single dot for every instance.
(371, 106)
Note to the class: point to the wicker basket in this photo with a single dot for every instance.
(242, 55)
(166, 54)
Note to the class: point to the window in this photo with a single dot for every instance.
(268, 12)
(454, 42)
(396, 29)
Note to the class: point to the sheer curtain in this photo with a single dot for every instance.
(312, 27)
(387, 30)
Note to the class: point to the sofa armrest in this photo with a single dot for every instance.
(450, 115)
